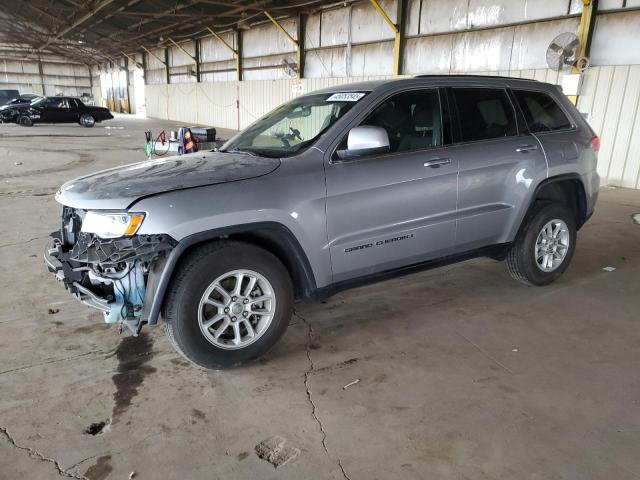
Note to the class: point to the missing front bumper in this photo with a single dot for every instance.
(110, 276)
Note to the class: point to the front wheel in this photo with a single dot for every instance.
(25, 121)
(87, 120)
(543, 250)
(229, 303)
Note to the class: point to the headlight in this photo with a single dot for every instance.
(112, 225)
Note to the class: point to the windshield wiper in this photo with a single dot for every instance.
(239, 150)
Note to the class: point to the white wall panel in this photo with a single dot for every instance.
(329, 62)
(266, 39)
(312, 32)
(372, 59)
(368, 25)
(483, 50)
(213, 50)
(152, 61)
(334, 27)
(177, 57)
(428, 54)
(436, 18)
(616, 39)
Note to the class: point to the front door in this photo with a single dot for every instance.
(386, 211)
(51, 110)
(498, 164)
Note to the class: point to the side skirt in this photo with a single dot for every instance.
(494, 251)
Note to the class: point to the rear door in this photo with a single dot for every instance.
(389, 210)
(498, 160)
(553, 127)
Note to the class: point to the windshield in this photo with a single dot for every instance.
(293, 126)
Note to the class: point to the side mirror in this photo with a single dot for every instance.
(365, 140)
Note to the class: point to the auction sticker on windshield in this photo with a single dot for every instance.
(346, 97)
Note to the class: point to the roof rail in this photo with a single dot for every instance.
(460, 75)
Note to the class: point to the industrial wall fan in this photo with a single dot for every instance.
(563, 51)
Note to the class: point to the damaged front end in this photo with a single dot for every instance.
(111, 275)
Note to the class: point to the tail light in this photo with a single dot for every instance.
(595, 143)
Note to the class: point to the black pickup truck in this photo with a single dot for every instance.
(54, 110)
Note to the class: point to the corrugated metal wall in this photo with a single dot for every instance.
(353, 43)
(21, 71)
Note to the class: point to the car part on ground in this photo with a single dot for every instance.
(332, 190)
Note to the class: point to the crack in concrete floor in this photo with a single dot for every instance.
(38, 456)
(314, 408)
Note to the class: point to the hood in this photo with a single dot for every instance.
(15, 106)
(117, 188)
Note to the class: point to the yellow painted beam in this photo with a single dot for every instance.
(587, 22)
(397, 42)
(385, 16)
(153, 55)
(224, 42)
(132, 59)
(299, 52)
(281, 28)
(185, 51)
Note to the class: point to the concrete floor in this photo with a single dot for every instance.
(463, 373)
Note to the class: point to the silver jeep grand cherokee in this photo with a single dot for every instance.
(337, 188)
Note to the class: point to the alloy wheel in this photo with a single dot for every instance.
(236, 309)
(552, 245)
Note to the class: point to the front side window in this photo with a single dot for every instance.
(293, 126)
(50, 102)
(484, 113)
(413, 120)
(541, 112)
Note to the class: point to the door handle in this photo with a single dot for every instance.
(436, 162)
(526, 148)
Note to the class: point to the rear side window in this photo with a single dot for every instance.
(484, 113)
(541, 112)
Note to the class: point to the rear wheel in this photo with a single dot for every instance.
(87, 120)
(545, 247)
(228, 304)
(25, 121)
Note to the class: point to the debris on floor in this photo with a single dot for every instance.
(636, 218)
(97, 427)
(609, 269)
(515, 349)
(132, 475)
(350, 384)
(53, 311)
(274, 451)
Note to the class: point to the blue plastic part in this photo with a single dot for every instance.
(129, 290)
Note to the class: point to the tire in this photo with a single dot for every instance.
(25, 121)
(521, 258)
(87, 120)
(185, 315)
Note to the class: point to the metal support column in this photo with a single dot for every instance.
(196, 47)
(300, 54)
(166, 65)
